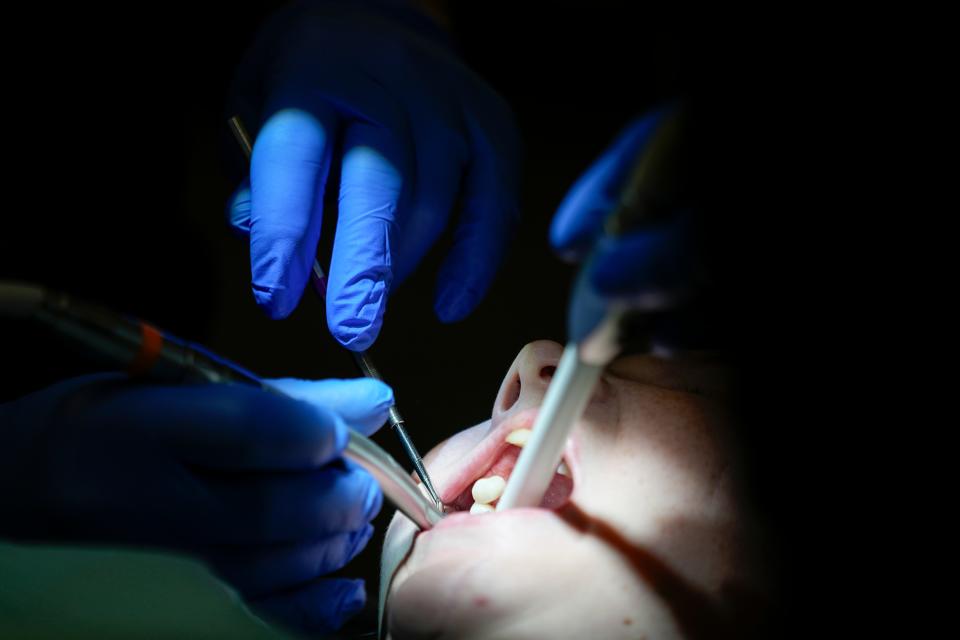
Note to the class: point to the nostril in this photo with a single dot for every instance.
(511, 395)
(546, 373)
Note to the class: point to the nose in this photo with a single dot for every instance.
(528, 377)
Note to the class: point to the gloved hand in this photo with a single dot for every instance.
(374, 90)
(249, 481)
(660, 260)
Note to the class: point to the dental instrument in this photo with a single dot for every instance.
(144, 350)
(318, 280)
(605, 325)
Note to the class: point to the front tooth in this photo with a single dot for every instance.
(486, 490)
(478, 508)
(519, 437)
(563, 469)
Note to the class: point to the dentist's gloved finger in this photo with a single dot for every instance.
(288, 174)
(261, 570)
(268, 508)
(363, 403)
(487, 223)
(320, 607)
(219, 426)
(361, 266)
(654, 260)
(440, 163)
(594, 195)
(238, 209)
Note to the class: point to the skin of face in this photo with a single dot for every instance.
(653, 542)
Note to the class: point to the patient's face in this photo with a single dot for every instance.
(643, 537)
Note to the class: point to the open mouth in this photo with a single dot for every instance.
(483, 476)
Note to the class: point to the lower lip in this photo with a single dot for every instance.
(460, 519)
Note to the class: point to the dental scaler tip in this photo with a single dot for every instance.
(396, 423)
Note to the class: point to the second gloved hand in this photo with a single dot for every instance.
(250, 481)
(372, 91)
(656, 265)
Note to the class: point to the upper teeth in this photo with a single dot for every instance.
(518, 437)
(486, 490)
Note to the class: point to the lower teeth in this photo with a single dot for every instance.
(479, 508)
(486, 490)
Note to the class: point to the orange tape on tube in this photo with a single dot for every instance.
(150, 344)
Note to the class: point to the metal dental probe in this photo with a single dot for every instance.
(144, 350)
(318, 280)
(582, 362)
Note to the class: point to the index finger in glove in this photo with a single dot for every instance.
(288, 175)
(224, 427)
(375, 167)
(363, 403)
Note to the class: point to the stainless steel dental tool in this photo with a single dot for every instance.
(318, 280)
(604, 325)
(146, 351)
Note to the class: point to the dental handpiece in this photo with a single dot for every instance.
(600, 328)
(146, 351)
(318, 281)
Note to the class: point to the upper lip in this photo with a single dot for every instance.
(452, 480)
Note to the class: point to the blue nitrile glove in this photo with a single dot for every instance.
(374, 90)
(248, 480)
(657, 261)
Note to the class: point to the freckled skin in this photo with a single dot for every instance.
(652, 540)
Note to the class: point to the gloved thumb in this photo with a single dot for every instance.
(581, 214)
(362, 403)
(238, 209)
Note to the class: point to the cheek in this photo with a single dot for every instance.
(482, 577)
(574, 588)
(450, 599)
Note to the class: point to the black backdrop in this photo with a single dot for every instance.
(118, 164)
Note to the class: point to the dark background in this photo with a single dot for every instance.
(118, 165)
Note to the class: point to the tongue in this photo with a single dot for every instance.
(557, 493)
